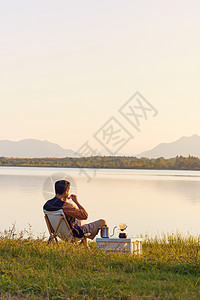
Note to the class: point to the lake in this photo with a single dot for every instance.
(148, 201)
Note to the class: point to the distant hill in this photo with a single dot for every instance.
(31, 148)
(184, 146)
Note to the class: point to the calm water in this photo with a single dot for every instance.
(148, 201)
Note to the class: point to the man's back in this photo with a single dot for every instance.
(53, 204)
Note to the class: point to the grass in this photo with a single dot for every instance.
(168, 269)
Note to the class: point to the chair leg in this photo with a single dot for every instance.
(51, 238)
(54, 235)
(84, 242)
(51, 231)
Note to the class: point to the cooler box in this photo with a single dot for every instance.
(132, 245)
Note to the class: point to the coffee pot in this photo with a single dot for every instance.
(105, 231)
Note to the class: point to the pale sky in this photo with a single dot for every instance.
(67, 67)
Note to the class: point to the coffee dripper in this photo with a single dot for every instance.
(122, 234)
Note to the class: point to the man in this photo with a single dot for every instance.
(73, 213)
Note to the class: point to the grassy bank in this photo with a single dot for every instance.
(168, 269)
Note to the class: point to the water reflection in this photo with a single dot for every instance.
(146, 202)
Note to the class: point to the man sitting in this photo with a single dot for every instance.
(73, 213)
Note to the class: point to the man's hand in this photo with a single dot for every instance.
(74, 198)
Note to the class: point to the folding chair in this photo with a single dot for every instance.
(58, 226)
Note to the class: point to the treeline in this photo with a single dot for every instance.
(118, 162)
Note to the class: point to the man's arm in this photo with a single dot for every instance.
(70, 210)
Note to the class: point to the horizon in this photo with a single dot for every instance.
(144, 154)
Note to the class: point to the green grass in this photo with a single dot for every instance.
(168, 269)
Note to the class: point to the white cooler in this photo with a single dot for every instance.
(132, 245)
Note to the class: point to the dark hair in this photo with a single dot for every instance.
(61, 186)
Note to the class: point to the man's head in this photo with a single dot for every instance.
(61, 186)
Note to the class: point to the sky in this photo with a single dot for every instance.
(68, 67)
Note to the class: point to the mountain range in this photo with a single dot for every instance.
(184, 146)
(30, 148)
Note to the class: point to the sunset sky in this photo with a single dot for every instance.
(67, 67)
